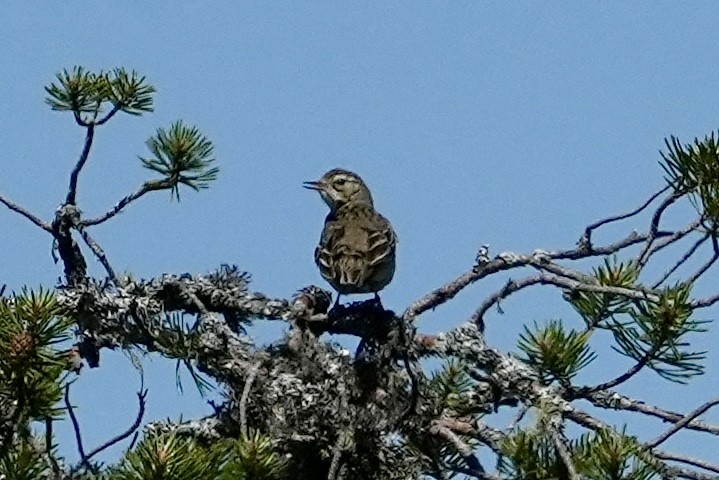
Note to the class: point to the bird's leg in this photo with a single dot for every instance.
(337, 301)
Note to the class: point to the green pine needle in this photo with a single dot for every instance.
(182, 155)
(694, 169)
(557, 354)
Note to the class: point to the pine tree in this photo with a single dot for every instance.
(303, 407)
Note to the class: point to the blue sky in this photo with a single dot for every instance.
(509, 124)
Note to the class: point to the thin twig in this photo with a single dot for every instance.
(141, 398)
(559, 281)
(682, 423)
(110, 114)
(694, 462)
(641, 363)
(682, 260)
(17, 208)
(99, 253)
(564, 455)
(72, 190)
(669, 238)
(694, 277)
(506, 262)
(48, 448)
(584, 251)
(246, 395)
(439, 428)
(654, 227)
(617, 401)
(509, 288)
(146, 187)
(76, 427)
(588, 231)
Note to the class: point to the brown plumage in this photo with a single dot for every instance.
(356, 253)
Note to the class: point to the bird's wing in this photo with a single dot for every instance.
(382, 240)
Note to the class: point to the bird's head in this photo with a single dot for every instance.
(339, 187)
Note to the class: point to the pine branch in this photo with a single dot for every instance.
(147, 187)
(72, 190)
(18, 209)
(587, 237)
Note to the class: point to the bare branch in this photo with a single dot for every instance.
(145, 188)
(559, 444)
(682, 423)
(509, 288)
(76, 427)
(506, 262)
(48, 448)
(617, 401)
(669, 238)
(442, 430)
(646, 358)
(17, 208)
(141, 397)
(682, 260)
(99, 253)
(654, 226)
(695, 276)
(694, 462)
(72, 190)
(110, 114)
(588, 231)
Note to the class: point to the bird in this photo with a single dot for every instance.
(357, 248)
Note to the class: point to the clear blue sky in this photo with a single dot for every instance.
(509, 123)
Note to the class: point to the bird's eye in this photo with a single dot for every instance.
(340, 181)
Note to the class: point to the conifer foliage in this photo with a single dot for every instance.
(305, 408)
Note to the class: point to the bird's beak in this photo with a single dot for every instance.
(316, 185)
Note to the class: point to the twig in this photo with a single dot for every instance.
(584, 251)
(76, 427)
(706, 302)
(563, 282)
(682, 423)
(110, 114)
(439, 428)
(85, 458)
(72, 190)
(564, 455)
(479, 475)
(654, 227)
(695, 462)
(668, 239)
(141, 397)
(706, 265)
(246, 395)
(17, 208)
(146, 187)
(641, 363)
(99, 253)
(588, 231)
(48, 448)
(509, 288)
(682, 260)
(617, 401)
(506, 262)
